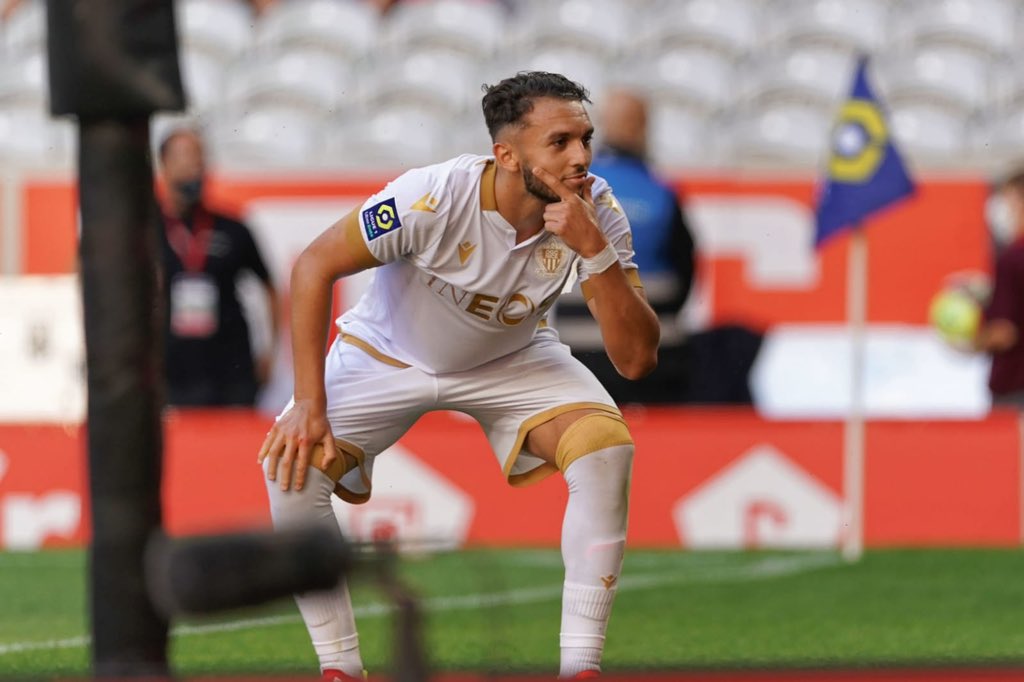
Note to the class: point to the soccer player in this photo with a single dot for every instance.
(470, 254)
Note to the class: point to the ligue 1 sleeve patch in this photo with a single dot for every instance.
(380, 219)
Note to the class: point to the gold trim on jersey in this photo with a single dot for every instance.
(355, 242)
(632, 276)
(372, 352)
(349, 457)
(426, 203)
(580, 438)
(608, 199)
(466, 250)
(544, 470)
(488, 198)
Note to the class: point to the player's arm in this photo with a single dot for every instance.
(996, 336)
(629, 327)
(998, 333)
(339, 251)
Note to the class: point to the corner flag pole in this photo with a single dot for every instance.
(853, 431)
(864, 175)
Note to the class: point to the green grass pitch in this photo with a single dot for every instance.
(491, 610)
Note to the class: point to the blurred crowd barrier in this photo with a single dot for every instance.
(757, 267)
(702, 479)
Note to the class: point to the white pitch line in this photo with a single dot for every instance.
(763, 569)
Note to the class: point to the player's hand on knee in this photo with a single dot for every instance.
(289, 445)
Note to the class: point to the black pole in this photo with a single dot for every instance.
(119, 294)
(112, 64)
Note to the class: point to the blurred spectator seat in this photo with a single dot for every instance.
(28, 136)
(393, 136)
(574, 64)
(729, 27)
(25, 31)
(839, 25)
(469, 135)
(221, 29)
(597, 27)
(1004, 138)
(781, 132)
(470, 26)
(986, 26)
(299, 79)
(938, 75)
(693, 77)
(23, 81)
(345, 28)
(203, 78)
(927, 133)
(442, 81)
(812, 75)
(268, 137)
(680, 136)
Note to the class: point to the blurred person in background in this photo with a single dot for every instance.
(7, 8)
(468, 257)
(1000, 332)
(209, 358)
(663, 250)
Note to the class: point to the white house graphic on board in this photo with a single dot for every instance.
(412, 504)
(762, 499)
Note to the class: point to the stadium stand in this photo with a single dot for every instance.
(347, 29)
(219, 29)
(732, 81)
(25, 30)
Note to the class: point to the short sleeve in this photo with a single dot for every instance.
(403, 219)
(613, 222)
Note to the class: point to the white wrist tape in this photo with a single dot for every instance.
(606, 258)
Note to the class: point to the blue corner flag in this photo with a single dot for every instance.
(865, 172)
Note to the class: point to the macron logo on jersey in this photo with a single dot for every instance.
(380, 219)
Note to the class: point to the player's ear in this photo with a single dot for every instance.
(505, 156)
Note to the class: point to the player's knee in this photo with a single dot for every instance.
(598, 432)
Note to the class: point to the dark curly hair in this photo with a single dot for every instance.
(508, 101)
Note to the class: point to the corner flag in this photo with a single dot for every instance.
(865, 172)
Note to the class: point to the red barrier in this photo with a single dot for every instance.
(702, 478)
(942, 227)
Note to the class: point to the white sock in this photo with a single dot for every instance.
(328, 615)
(593, 542)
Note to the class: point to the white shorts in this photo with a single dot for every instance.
(372, 400)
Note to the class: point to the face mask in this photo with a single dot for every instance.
(191, 191)
(1000, 218)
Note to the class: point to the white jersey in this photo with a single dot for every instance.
(455, 290)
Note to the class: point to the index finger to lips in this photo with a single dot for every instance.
(554, 184)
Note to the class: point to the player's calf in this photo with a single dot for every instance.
(595, 454)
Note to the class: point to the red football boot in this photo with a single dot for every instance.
(332, 675)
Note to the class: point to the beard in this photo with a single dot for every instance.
(538, 188)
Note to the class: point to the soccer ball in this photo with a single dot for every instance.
(956, 309)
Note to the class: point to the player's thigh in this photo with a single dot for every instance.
(542, 440)
(515, 395)
(370, 404)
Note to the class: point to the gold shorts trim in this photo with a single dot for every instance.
(348, 457)
(578, 441)
(372, 352)
(545, 469)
